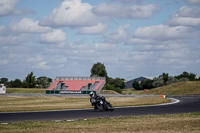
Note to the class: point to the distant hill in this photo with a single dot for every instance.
(179, 88)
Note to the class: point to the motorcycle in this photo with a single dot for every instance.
(102, 104)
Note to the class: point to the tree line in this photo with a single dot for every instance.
(99, 69)
(30, 81)
(164, 79)
(117, 84)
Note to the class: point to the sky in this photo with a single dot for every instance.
(132, 38)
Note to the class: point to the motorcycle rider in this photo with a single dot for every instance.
(95, 98)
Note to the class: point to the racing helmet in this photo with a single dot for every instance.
(91, 94)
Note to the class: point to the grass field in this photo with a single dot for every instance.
(26, 90)
(180, 88)
(39, 103)
(176, 123)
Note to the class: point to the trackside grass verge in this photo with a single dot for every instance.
(41, 103)
(180, 88)
(26, 90)
(176, 123)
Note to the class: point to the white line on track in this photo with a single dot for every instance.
(174, 101)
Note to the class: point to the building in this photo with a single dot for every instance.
(2, 89)
(76, 85)
(128, 84)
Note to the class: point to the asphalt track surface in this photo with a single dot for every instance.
(183, 105)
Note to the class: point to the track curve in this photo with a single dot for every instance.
(186, 105)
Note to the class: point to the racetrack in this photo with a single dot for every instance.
(185, 105)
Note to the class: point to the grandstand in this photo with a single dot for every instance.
(76, 85)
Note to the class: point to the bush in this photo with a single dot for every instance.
(137, 85)
(111, 87)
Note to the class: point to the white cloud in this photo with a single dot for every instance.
(118, 35)
(3, 62)
(186, 16)
(163, 32)
(105, 47)
(60, 59)
(35, 59)
(93, 30)
(193, 1)
(120, 11)
(186, 21)
(188, 11)
(16, 39)
(171, 47)
(42, 65)
(71, 13)
(8, 7)
(38, 62)
(27, 25)
(56, 36)
(128, 1)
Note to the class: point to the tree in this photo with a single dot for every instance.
(43, 82)
(117, 82)
(171, 80)
(190, 76)
(165, 77)
(99, 69)
(3, 80)
(147, 84)
(30, 81)
(136, 85)
(111, 87)
(17, 83)
(157, 82)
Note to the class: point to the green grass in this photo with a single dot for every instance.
(108, 92)
(176, 123)
(180, 88)
(26, 90)
(131, 92)
(41, 103)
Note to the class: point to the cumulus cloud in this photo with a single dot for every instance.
(42, 65)
(56, 36)
(128, 1)
(186, 16)
(71, 13)
(14, 39)
(28, 25)
(132, 11)
(163, 32)
(8, 7)
(93, 30)
(105, 47)
(193, 1)
(168, 47)
(38, 62)
(118, 35)
(3, 62)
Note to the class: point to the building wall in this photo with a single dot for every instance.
(129, 83)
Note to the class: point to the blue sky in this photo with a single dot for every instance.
(131, 38)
